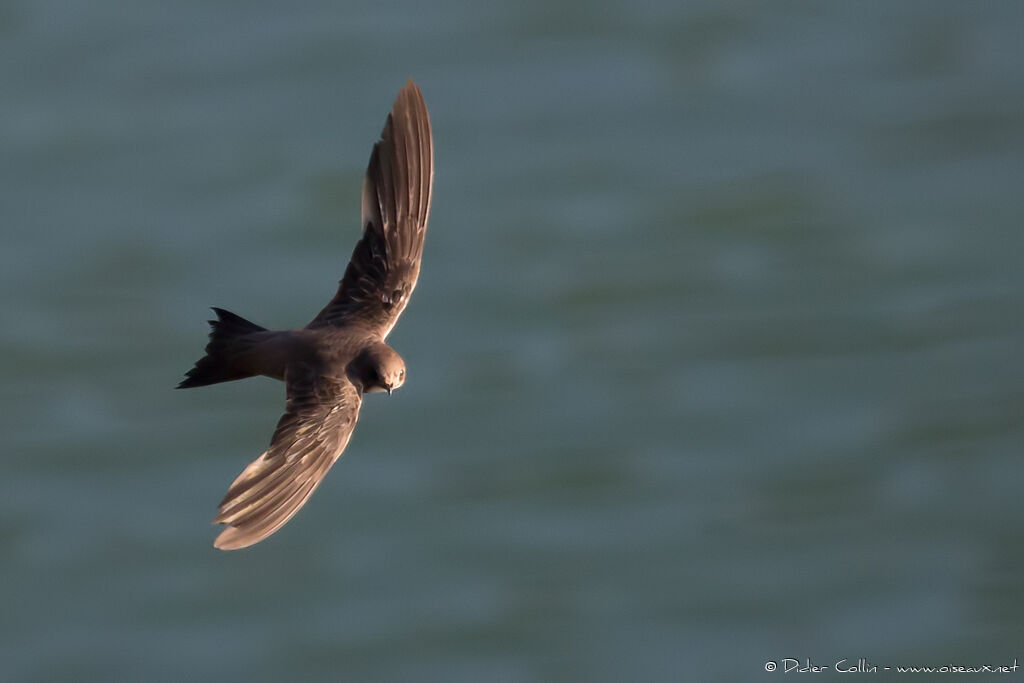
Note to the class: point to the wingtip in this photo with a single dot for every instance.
(411, 90)
(231, 539)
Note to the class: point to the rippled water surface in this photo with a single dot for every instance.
(715, 357)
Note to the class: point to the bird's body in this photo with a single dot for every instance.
(329, 350)
(328, 365)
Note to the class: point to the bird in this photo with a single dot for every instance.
(341, 355)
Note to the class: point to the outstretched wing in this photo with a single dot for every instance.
(396, 203)
(319, 418)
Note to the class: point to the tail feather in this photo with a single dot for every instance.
(228, 337)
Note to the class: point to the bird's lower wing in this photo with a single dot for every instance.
(320, 416)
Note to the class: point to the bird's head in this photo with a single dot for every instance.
(379, 368)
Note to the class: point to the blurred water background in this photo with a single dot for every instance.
(715, 358)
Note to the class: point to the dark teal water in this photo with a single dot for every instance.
(715, 357)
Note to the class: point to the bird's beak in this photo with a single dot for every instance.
(388, 387)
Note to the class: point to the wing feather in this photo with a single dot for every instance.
(319, 418)
(385, 265)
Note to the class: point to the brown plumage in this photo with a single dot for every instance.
(328, 365)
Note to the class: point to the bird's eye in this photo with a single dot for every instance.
(401, 375)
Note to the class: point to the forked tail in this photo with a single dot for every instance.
(230, 338)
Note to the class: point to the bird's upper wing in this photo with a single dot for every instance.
(318, 421)
(396, 203)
